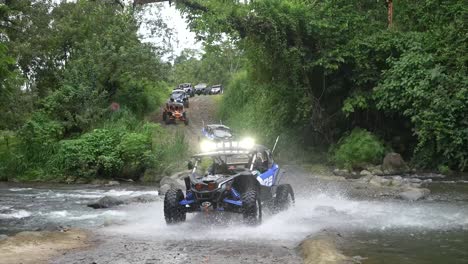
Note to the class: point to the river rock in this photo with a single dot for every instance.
(365, 173)
(106, 202)
(174, 183)
(164, 188)
(415, 180)
(378, 181)
(112, 183)
(366, 179)
(376, 170)
(179, 175)
(340, 172)
(397, 181)
(414, 194)
(393, 163)
(144, 198)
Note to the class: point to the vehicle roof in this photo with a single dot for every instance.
(217, 126)
(178, 91)
(175, 103)
(216, 85)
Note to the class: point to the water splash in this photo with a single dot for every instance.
(309, 215)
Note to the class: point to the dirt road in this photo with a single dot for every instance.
(202, 108)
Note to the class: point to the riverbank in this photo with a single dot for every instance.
(39, 247)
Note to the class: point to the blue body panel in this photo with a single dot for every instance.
(268, 178)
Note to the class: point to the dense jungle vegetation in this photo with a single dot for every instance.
(328, 76)
(315, 70)
(76, 84)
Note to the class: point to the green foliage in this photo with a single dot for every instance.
(358, 149)
(248, 109)
(436, 102)
(94, 153)
(215, 66)
(329, 66)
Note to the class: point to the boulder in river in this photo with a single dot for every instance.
(164, 188)
(414, 194)
(112, 183)
(174, 183)
(393, 163)
(365, 173)
(106, 202)
(144, 198)
(397, 181)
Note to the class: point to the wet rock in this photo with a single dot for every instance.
(112, 183)
(322, 249)
(339, 172)
(51, 227)
(174, 183)
(3, 237)
(106, 202)
(366, 179)
(427, 181)
(164, 188)
(144, 198)
(385, 182)
(415, 180)
(415, 185)
(365, 173)
(179, 175)
(414, 194)
(376, 170)
(393, 163)
(379, 181)
(397, 181)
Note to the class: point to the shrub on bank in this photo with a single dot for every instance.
(357, 150)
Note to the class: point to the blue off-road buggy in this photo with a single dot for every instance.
(230, 176)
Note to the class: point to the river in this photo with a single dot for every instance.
(434, 230)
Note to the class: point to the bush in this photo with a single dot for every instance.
(93, 154)
(358, 149)
(106, 153)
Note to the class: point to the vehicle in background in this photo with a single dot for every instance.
(216, 89)
(188, 88)
(174, 111)
(217, 132)
(179, 96)
(201, 88)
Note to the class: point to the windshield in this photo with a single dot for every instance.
(222, 164)
(222, 132)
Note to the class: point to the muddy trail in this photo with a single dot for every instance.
(202, 108)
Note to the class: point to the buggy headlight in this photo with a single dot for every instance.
(247, 143)
(207, 146)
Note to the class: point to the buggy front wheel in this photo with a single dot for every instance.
(251, 207)
(173, 211)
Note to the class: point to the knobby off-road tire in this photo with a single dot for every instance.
(173, 211)
(251, 207)
(164, 116)
(284, 197)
